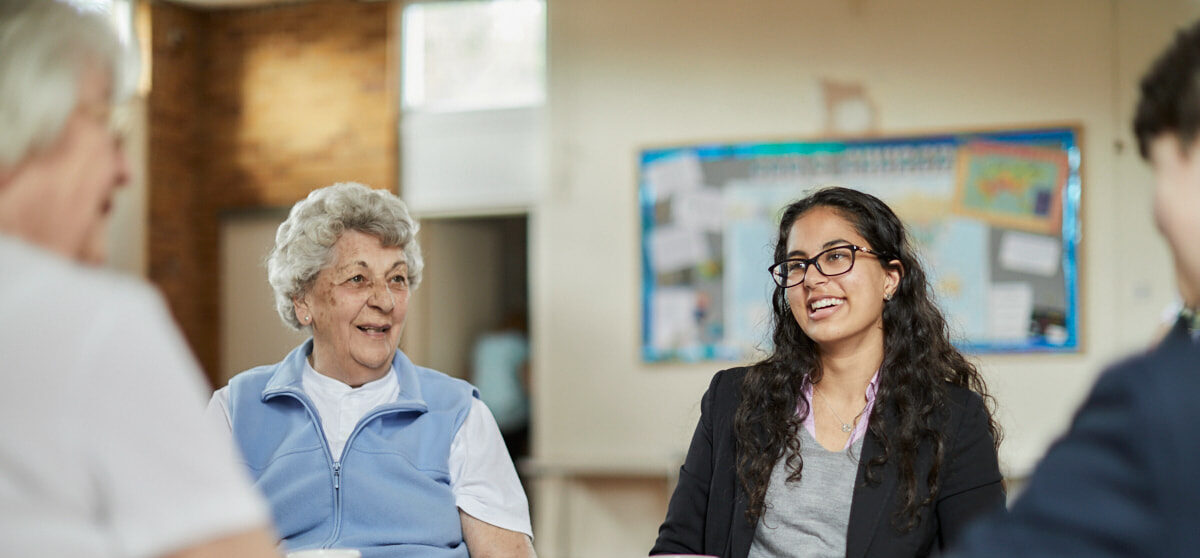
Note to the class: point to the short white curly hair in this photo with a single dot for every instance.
(304, 242)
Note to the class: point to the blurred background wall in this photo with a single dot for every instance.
(251, 107)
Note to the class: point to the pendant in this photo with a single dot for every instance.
(847, 427)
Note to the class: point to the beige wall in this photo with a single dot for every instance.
(632, 73)
(458, 298)
(127, 230)
(253, 108)
(1144, 29)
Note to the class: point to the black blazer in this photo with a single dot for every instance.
(707, 513)
(1122, 482)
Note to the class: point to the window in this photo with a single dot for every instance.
(473, 75)
(474, 55)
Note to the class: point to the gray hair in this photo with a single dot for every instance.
(304, 242)
(45, 47)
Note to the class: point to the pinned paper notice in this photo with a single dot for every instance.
(702, 209)
(674, 318)
(673, 175)
(1010, 309)
(1029, 253)
(675, 248)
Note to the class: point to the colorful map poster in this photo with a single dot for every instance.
(1012, 186)
(994, 215)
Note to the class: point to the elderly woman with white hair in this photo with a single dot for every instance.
(352, 444)
(103, 452)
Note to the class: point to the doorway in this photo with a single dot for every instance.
(469, 316)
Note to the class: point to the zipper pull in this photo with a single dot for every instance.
(337, 475)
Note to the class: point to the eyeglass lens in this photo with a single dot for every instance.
(834, 261)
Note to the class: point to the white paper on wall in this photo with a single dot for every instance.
(674, 323)
(702, 209)
(681, 173)
(1010, 309)
(1029, 253)
(676, 248)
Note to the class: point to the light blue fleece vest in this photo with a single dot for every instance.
(389, 496)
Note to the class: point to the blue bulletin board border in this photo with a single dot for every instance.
(1063, 336)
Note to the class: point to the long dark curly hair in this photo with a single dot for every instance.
(918, 362)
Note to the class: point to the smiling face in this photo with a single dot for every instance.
(356, 307)
(843, 311)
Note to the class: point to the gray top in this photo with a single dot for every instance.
(809, 518)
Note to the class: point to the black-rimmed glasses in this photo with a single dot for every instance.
(832, 262)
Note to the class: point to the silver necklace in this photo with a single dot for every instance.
(846, 427)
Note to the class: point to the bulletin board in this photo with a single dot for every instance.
(994, 216)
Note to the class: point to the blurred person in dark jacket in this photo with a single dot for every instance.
(1122, 481)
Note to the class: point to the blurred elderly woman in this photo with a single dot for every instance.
(102, 452)
(352, 444)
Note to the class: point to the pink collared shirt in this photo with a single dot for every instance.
(860, 428)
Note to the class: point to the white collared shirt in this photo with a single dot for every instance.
(341, 406)
(482, 476)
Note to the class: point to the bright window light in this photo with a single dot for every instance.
(474, 55)
(92, 5)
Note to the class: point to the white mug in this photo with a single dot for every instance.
(326, 553)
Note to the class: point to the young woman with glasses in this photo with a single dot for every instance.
(865, 433)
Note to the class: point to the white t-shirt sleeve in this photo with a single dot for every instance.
(171, 479)
(482, 474)
(217, 413)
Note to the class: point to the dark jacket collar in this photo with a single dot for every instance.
(1184, 330)
(871, 501)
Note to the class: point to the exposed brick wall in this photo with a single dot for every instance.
(300, 98)
(177, 213)
(254, 108)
